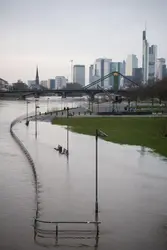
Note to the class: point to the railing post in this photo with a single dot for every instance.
(57, 231)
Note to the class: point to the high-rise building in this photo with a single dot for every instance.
(51, 83)
(161, 68)
(164, 70)
(145, 58)
(91, 79)
(102, 67)
(149, 60)
(118, 67)
(79, 74)
(60, 82)
(124, 67)
(131, 63)
(138, 75)
(152, 62)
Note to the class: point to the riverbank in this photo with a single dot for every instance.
(142, 131)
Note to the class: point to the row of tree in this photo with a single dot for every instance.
(152, 90)
(139, 92)
(20, 85)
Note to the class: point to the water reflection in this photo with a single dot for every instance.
(142, 151)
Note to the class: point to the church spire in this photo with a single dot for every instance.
(37, 77)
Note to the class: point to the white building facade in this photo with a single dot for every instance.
(91, 79)
(152, 62)
(102, 67)
(131, 63)
(161, 68)
(60, 82)
(79, 74)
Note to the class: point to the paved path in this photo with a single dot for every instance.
(80, 112)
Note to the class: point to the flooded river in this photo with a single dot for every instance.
(132, 186)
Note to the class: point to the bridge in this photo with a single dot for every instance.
(91, 89)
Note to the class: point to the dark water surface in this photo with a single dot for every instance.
(132, 187)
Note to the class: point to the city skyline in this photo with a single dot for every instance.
(70, 34)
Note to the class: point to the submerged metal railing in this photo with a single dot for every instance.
(28, 156)
(58, 233)
(55, 230)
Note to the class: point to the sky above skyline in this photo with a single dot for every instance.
(50, 33)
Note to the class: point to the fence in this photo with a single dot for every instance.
(41, 231)
(27, 154)
(74, 232)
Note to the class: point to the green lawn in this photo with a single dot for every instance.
(124, 130)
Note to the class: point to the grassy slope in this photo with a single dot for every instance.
(132, 131)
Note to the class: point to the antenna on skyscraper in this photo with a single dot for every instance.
(145, 26)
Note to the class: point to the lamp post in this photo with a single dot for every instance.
(67, 132)
(27, 121)
(98, 104)
(71, 61)
(99, 133)
(48, 104)
(61, 103)
(36, 107)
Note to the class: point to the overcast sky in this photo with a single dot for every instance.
(52, 32)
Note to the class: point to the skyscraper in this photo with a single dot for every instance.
(102, 67)
(138, 75)
(124, 67)
(60, 82)
(161, 68)
(91, 79)
(152, 62)
(79, 74)
(149, 60)
(131, 63)
(51, 84)
(118, 67)
(145, 58)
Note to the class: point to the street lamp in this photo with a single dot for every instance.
(67, 132)
(27, 121)
(48, 104)
(61, 103)
(36, 107)
(99, 133)
(71, 61)
(98, 104)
